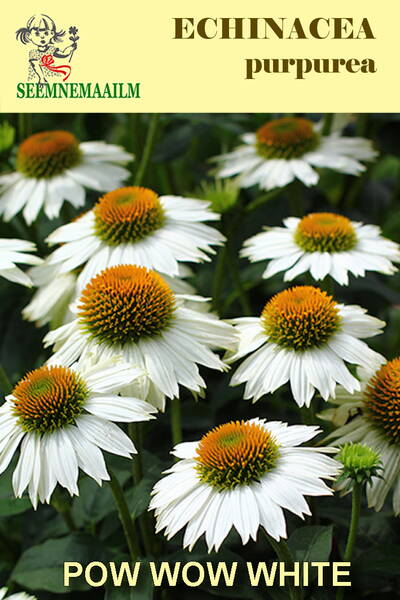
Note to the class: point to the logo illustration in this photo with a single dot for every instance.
(47, 43)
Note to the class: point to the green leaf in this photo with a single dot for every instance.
(382, 560)
(313, 543)
(323, 594)
(387, 167)
(389, 138)
(331, 184)
(278, 594)
(138, 497)
(93, 503)
(144, 589)
(9, 505)
(42, 567)
(121, 593)
(263, 199)
(152, 465)
(240, 590)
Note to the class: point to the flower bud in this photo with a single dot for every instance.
(222, 194)
(360, 464)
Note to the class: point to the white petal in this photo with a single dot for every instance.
(110, 377)
(304, 172)
(35, 202)
(63, 460)
(302, 389)
(106, 435)
(185, 450)
(26, 463)
(8, 450)
(90, 457)
(17, 196)
(117, 408)
(353, 350)
(271, 515)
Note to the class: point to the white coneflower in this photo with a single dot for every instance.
(17, 251)
(323, 244)
(131, 311)
(62, 418)
(53, 166)
(305, 337)
(133, 225)
(289, 148)
(57, 290)
(373, 416)
(241, 475)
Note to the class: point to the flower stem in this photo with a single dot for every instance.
(135, 432)
(295, 199)
(69, 519)
(327, 126)
(24, 125)
(5, 384)
(224, 260)
(247, 286)
(125, 517)
(62, 506)
(362, 124)
(284, 554)
(307, 414)
(356, 187)
(351, 538)
(241, 292)
(219, 277)
(148, 147)
(357, 183)
(233, 265)
(134, 119)
(176, 421)
(260, 200)
(328, 285)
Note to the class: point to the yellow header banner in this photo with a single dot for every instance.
(199, 57)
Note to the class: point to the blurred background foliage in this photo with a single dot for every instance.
(33, 545)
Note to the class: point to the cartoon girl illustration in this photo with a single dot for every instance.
(42, 32)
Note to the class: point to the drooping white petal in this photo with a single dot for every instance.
(353, 350)
(36, 201)
(103, 377)
(26, 464)
(63, 461)
(300, 385)
(106, 435)
(271, 514)
(7, 451)
(48, 480)
(120, 409)
(15, 197)
(90, 457)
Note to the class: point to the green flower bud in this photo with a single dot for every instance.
(222, 194)
(7, 136)
(360, 463)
